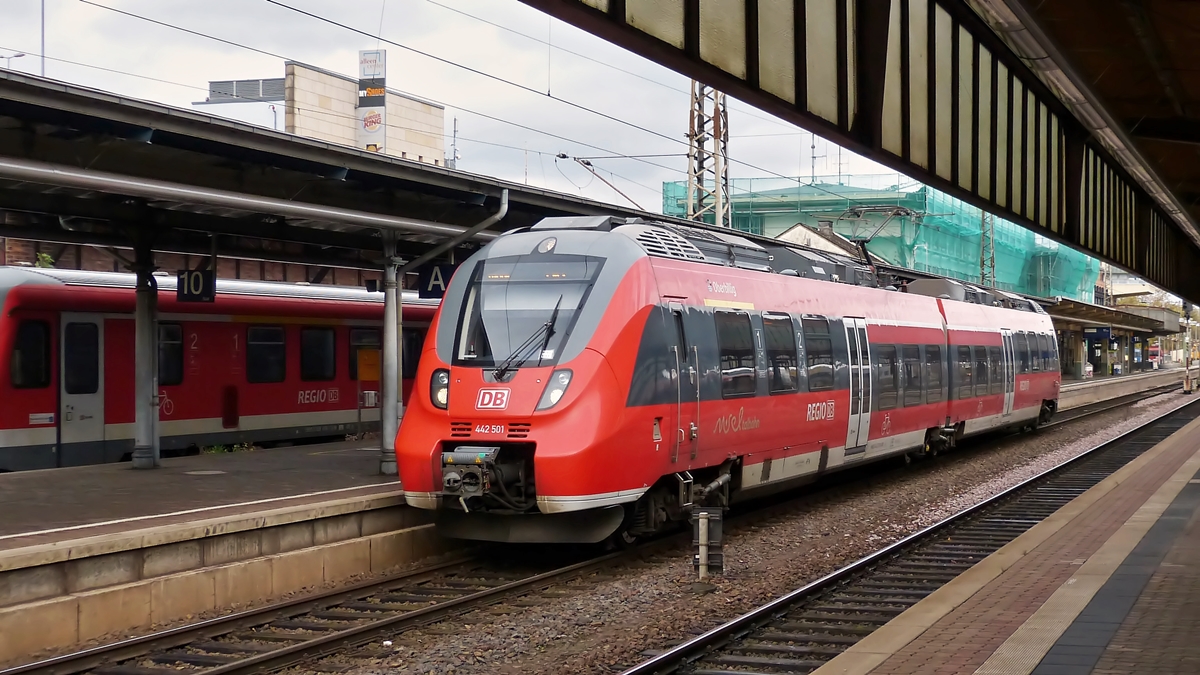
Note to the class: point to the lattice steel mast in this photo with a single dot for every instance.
(987, 249)
(708, 157)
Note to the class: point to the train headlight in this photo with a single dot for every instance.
(439, 388)
(555, 388)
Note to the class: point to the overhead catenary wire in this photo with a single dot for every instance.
(468, 110)
(497, 78)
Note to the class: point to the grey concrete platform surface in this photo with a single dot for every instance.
(67, 503)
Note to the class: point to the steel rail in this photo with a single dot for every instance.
(690, 651)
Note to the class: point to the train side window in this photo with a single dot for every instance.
(81, 358)
(1021, 347)
(996, 367)
(266, 354)
(885, 358)
(736, 345)
(1044, 349)
(361, 338)
(933, 373)
(1054, 350)
(819, 347)
(29, 364)
(170, 354)
(1035, 353)
(981, 371)
(414, 340)
(318, 354)
(913, 382)
(966, 364)
(782, 368)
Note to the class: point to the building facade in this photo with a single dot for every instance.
(908, 225)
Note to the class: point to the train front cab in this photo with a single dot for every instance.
(516, 417)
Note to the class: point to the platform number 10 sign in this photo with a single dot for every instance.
(196, 286)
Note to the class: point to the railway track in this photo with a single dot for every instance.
(282, 635)
(801, 631)
(285, 634)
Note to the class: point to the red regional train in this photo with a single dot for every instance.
(266, 362)
(592, 377)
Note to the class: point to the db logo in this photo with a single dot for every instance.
(492, 399)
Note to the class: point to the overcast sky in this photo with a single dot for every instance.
(140, 59)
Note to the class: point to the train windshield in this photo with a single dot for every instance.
(519, 309)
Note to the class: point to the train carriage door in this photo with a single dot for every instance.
(860, 385)
(81, 427)
(1010, 370)
(687, 389)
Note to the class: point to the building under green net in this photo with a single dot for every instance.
(909, 225)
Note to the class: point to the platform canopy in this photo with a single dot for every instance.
(1087, 314)
(97, 165)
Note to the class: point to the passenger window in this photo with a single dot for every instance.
(1035, 353)
(318, 357)
(266, 354)
(996, 367)
(81, 358)
(736, 345)
(981, 371)
(1044, 348)
(819, 347)
(933, 373)
(965, 367)
(912, 375)
(1021, 347)
(170, 354)
(361, 338)
(889, 371)
(29, 364)
(414, 340)
(782, 368)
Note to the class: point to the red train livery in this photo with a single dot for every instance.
(265, 362)
(591, 377)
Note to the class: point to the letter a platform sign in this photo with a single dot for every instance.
(433, 280)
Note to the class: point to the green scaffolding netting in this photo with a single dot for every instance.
(942, 235)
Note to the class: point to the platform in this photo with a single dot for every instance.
(73, 502)
(97, 551)
(1108, 584)
(1078, 393)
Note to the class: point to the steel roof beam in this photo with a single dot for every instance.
(44, 173)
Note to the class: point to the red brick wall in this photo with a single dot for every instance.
(19, 251)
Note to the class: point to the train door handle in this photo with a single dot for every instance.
(695, 431)
(680, 435)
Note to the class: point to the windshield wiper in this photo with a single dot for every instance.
(520, 354)
(549, 330)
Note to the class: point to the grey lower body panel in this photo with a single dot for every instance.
(573, 527)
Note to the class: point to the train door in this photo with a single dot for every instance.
(1010, 370)
(81, 426)
(860, 385)
(687, 390)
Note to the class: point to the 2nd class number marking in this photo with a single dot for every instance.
(489, 428)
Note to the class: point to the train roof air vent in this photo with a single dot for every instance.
(663, 243)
